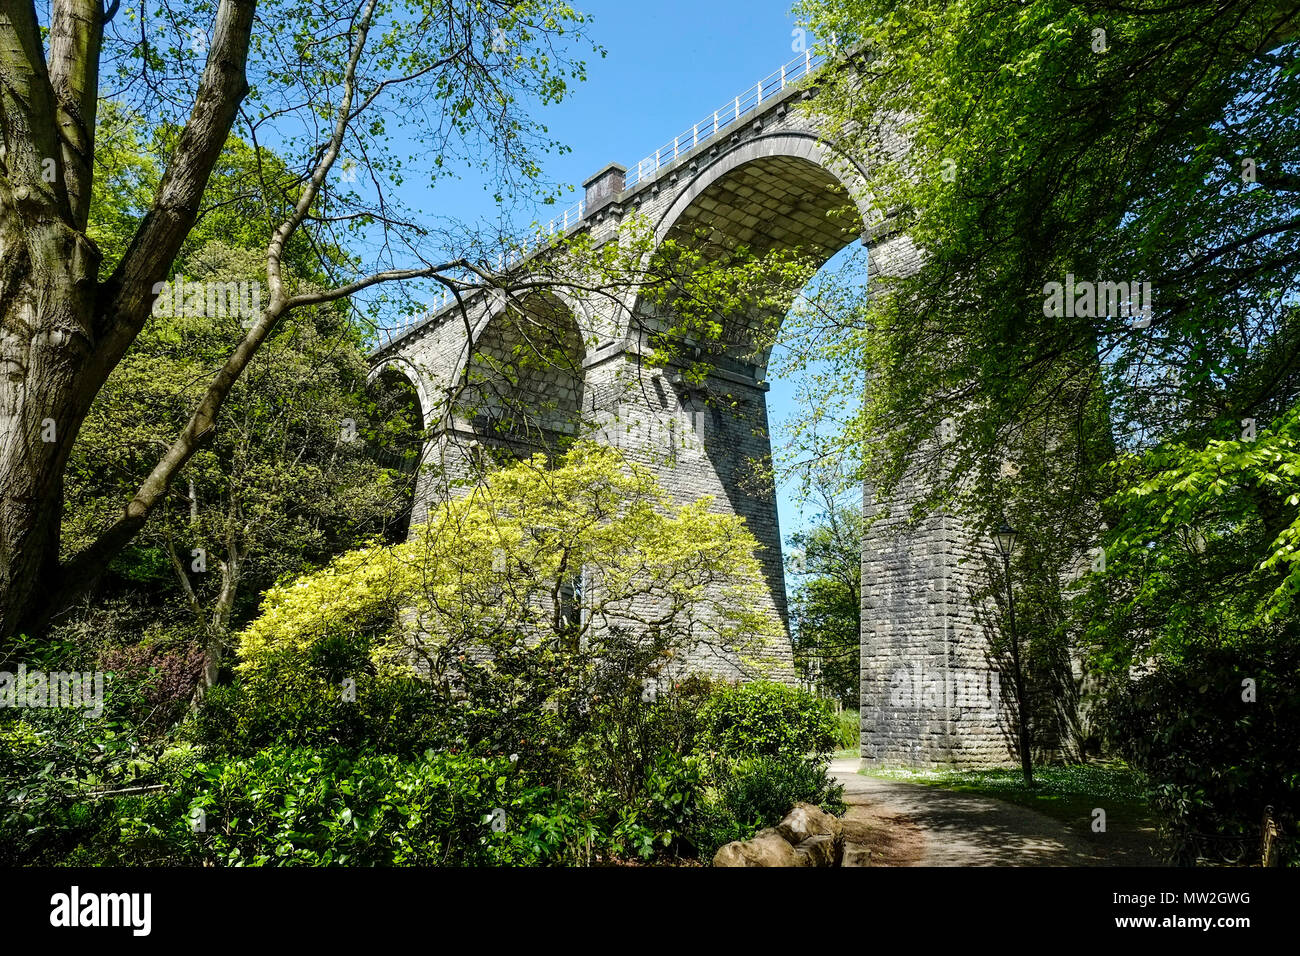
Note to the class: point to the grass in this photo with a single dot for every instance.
(1068, 793)
(847, 735)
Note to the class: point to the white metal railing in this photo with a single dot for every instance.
(561, 223)
(726, 115)
(720, 119)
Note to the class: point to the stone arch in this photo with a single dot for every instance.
(793, 149)
(523, 378)
(786, 190)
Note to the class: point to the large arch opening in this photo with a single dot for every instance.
(757, 223)
(771, 213)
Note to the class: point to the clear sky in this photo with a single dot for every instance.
(669, 64)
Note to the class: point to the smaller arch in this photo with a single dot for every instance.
(407, 369)
(396, 431)
(523, 380)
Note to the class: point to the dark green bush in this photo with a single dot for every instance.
(674, 802)
(767, 719)
(290, 771)
(403, 717)
(44, 768)
(1215, 761)
(620, 735)
(53, 764)
(757, 792)
(319, 808)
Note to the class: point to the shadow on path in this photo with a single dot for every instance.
(947, 828)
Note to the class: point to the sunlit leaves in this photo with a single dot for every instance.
(491, 568)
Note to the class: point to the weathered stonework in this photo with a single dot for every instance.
(772, 182)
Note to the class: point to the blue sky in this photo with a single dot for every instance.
(668, 64)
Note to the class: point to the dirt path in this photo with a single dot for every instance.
(907, 824)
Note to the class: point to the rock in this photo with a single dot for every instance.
(817, 850)
(767, 848)
(855, 854)
(805, 821)
(731, 854)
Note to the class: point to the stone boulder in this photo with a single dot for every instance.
(767, 848)
(855, 854)
(818, 850)
(805, 821)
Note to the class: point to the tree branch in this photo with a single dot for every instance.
(126, 299)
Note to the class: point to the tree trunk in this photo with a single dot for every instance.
(219, 626)
(46, 307)
(62, 331)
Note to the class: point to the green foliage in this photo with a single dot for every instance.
(300, 807)
(826, 607)
(674, 800)
(718, 303)
(495, 569)
(1222, 522)
(395, 716)
(1015, 181)
(767, 719)
(296, 775)
(758, 791)
(277, 488)
(1072, 422)
(1214, 758)
(54, 762)
(849, 729)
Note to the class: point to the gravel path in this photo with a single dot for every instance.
(912, 825)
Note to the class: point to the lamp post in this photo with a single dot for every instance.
(1004, 539)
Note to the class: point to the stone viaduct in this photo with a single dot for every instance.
(757, 173)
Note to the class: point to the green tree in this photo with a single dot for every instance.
(1029, 155)
(826, 609)
(1053, 168)
(1052, 159)
(574, 557)
(319, 80)
(288, 481)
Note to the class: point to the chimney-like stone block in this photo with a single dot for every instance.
(605, 187)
